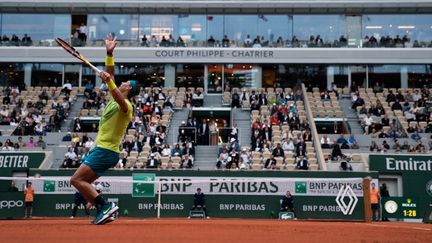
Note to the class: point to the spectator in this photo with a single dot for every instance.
(287, 203)
(325, 141)
(302, 163)
(278, 151)
(341, 139)
(270, 163)
(121, 162)
(353, 143)
(31, 143)
(415, 136)
(153, 162)
(336, 152)
(83, 33)
(223, 159)
(235, 100)
(67, 87)
(186, 162)
(41, 143)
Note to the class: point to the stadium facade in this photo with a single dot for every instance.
(289, 49)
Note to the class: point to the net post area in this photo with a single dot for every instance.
(366, 199)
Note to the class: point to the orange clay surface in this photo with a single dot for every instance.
(127, 230)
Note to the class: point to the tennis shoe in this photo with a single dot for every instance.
(105, 212)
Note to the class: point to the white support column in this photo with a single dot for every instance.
(169, 76)
(404, 76)
(330, 76)
(27, 74)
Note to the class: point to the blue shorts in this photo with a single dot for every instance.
(100, 160)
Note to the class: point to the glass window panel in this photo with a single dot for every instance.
(146, 75)
(415, 27)
(189, 75)
(37, 26)
(214, 79)
(125, 27)
(388, 76)
(192, 28)
(240, 75)
(328, 27)
(340, 76)
(158, 26)
(12, 74)
(274, 26)
(215, 26)
(237, 27)
(88, 74)
(72, 74)
(46, 74)
(419, 76)
(291, 75)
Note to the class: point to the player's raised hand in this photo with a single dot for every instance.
(110, 43)
(104, 76)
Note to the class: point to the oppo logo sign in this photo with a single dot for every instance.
(11, 204)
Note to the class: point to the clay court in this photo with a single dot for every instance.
(213, 230)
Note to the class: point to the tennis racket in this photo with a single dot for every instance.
(67, 47)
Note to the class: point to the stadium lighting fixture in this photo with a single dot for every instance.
(374, 27)
(406, 27)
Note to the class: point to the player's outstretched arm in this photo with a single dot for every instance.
(115, 92)
(110, 45)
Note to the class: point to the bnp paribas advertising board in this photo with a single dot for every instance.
(232, 197)
(416, 172)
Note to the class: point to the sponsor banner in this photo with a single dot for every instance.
(401, 163)
(209, 185)
(12, 205)
(219, 206)
(10, 161)
(143, 189)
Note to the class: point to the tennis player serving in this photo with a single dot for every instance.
(114, 121)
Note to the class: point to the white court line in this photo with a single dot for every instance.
(395, 226)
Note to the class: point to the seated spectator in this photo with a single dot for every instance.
(367, 122)
(31, 143)
(121, 162)
(70, 156)
(396, 106)
(41, 143)
(278, 151)
(211, 41)
(223, 159)
(385, 145)
(341, 139)
(352, 142)
(391, 97)
(225, 41)
(288, 145)
(153, 162)
(233, 160)
(325, 141)
(235, 100)
(383, 134)
(344, 163)
(385, 121)
(186, 162)
(177, 151)
(336, 152)
(373, 147)
(415, 136)
(420, 148)
(197, 99)
(377, 88)
(302, 163)
(67, 87)
(166, 151)
(345, 146)
(270, 163)
(88, 88)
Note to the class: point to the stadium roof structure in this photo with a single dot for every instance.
(218, 6)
